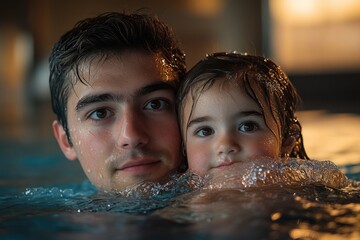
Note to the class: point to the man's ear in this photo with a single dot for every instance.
(63, 141)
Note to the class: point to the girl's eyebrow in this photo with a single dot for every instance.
(197, 120)
(108, 97)
(207, 118)
(250, 113)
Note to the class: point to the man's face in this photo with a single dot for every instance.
(123, 124)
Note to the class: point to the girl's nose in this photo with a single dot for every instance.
(227, 145)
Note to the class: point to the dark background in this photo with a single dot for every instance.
(29, 28)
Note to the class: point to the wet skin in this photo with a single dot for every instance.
(123, 124)
(227, 127)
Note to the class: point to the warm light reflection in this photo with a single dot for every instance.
(340, 221)
(309, 12)
(316, 35)
(205, 7)
(15, 59)
(331, 137)
(275, 216)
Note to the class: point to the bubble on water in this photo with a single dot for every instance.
(287, 172)
(177, 184)
(255, 175)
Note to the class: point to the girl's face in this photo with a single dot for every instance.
(226, 126)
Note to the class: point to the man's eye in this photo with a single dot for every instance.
(248, 127)
(157, 104)
(100, 114)
(203, 132)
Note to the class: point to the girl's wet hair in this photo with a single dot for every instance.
(260, 78)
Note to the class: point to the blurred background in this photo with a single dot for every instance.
(317, 42)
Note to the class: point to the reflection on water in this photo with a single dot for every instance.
(334, 137)
(271, 213)
(307, 212)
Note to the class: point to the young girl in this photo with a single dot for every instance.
(237, 116)
(237, 107)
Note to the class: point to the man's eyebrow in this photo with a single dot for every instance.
(154, 87)
(90, 99)
(106, 97)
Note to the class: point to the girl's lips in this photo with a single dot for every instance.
(225, 164)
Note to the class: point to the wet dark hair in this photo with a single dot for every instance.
(102, 36)
(260, 78)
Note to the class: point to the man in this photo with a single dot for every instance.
(113, 80)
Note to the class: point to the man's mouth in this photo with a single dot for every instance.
(137, 166)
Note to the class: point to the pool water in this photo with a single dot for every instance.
(43, 196)
(310, 212)
(78, 211)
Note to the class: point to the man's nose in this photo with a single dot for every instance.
(227, 144)
(132, 130)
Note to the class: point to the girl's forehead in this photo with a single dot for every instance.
(219, 93)
(219, 83)
(234, 86)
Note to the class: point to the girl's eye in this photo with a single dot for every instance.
(203, 132)
(248, 127)
(100, 114)
(157, 104)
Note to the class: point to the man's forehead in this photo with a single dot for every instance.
(88, 68)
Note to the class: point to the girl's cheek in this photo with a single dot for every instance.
(198, 161)
(267, 148)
